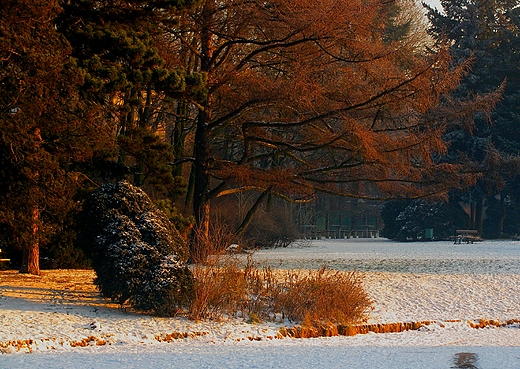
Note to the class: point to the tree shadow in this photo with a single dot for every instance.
(67, 289)
(465, 360)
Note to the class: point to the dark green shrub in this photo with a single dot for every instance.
(443, 217)
(183, 223)
(138, 256)
(389, 213)
(62, 251)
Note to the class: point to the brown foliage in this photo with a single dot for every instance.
(219, 289)
(307, 96)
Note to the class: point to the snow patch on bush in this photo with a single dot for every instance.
(138, 255)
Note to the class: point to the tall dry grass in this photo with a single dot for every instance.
(230, 285)
(317, 297)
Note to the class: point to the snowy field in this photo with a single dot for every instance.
(439, 282)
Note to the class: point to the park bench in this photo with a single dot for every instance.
(3, 260)
(466, 236)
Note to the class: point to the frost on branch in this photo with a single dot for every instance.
(137, 253)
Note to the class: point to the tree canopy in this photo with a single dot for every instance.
(306, 97)
(114, 44)
(45, 128)
(488, 33)
(276, 98)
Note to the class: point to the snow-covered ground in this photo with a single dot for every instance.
(439, 282)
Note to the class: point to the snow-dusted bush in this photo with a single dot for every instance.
(137, 253)
(418, 215)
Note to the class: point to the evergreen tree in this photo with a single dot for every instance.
(116, 47)
(45, 128)
(408, 220)
(487, 32)
(389, 213)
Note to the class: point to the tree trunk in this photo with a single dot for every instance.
(178, 135)
(503, 214)
(201, 202)
(190, 191)
(249, 216)
(479, 216)
(31, 254)
(201, 205)
(471, 223)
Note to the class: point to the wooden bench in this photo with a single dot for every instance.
(466, 236)
(3, 260)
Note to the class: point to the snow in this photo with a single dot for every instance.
(438, 282)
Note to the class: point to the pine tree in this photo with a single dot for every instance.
(487, 32)
(116, 47)
(45, 128)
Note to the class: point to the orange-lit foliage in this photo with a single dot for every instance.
(309, 96)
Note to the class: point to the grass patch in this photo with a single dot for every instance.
(226, 286)
(324, 296)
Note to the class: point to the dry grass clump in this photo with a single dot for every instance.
(225, 286)
(318, 297)
(219, 280)
(219, 288)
